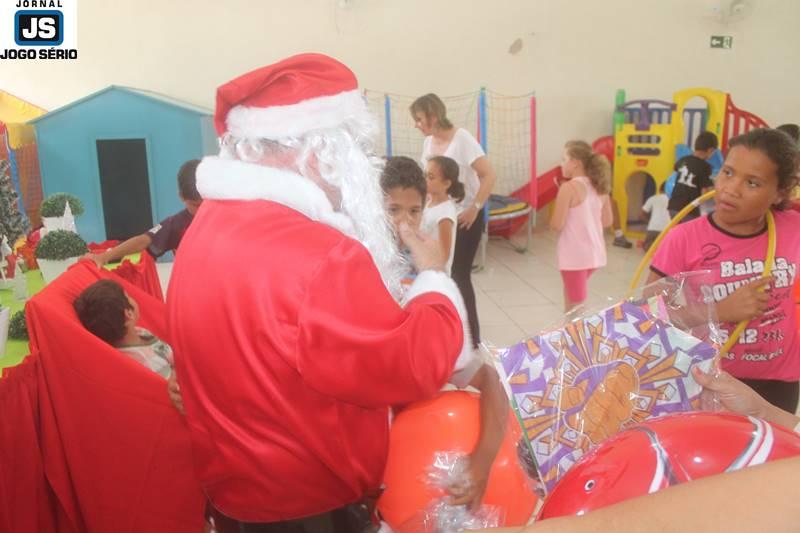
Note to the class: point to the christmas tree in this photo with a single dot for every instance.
(13, 224)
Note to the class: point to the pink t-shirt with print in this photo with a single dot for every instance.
(768, 348)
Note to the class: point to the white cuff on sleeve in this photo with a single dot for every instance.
(429, 281)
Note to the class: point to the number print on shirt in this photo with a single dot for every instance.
(774, 335)
(685, 177)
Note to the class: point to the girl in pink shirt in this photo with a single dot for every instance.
(582, 210)
(758, 175)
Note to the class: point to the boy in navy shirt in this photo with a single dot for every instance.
(166, 236)
(694, 175)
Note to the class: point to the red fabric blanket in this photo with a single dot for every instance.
(26, 501)
(115, 453)
(142, 274)
(99, 247)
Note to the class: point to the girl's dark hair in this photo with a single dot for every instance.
(431, 106)
(449, 169)
(101, 309)
(597, 167)
(781, 150)
(792, 130)
(405, 173)
(187, 180)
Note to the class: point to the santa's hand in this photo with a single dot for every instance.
(425, 250)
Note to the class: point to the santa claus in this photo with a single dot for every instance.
(289, 345)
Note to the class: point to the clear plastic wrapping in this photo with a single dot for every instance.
(449, 473)
(528, 464)
(576, 385)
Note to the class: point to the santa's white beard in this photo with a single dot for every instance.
(344, 158)
(340, 158)
(357, 178)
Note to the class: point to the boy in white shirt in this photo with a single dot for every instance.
(656, 209)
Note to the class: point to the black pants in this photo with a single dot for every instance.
(649, 239)
(783, 394)
(349, 519)
(467, 242)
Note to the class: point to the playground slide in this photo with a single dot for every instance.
(739, 121)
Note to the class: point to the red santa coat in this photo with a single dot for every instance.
(289, 350)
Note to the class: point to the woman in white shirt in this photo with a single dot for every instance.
(478, 177)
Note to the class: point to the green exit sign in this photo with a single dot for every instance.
(722, 41)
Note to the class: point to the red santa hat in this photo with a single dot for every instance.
(289, 98)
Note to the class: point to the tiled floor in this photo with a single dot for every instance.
(520, 294)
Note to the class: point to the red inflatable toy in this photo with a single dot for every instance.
(797, 301)
(449, 422)
(663, 452)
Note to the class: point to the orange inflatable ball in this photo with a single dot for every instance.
(449, 422)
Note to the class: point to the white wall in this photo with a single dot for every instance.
(576, 52)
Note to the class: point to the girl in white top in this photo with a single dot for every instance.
(442, 138)
(465, 151)
(440, 215)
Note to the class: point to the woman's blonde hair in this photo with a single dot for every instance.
(597, 167)
(431, 106)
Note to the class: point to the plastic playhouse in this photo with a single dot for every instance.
(650, 135)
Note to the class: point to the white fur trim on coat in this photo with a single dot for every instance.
(297, 119)
(429, 281)
(229, 179)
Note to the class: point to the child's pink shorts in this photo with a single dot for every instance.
(576, 283)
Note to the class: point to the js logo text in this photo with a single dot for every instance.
(39, 28)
